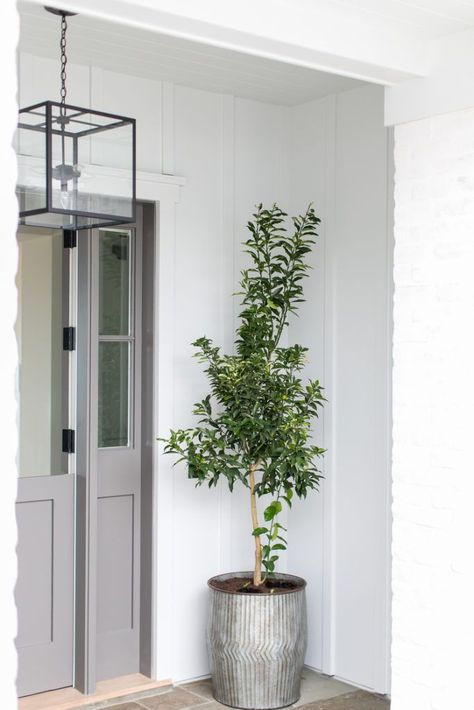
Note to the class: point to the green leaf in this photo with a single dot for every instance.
(269, 513)
(273, 509)
(260, 531)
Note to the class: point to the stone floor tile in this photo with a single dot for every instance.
(360, 700)
(123, 706)
(203, 688)
(316, 686)
(173, 700)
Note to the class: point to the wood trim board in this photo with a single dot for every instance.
(69, 698)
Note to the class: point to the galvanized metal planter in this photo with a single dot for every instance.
(256, 645)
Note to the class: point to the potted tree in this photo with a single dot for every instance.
(255, 429)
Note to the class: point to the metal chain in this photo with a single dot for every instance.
(63, 59)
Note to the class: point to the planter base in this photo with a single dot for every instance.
(256, 645)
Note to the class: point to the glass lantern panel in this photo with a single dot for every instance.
(30, 144)
(104, 154)
(50, 220)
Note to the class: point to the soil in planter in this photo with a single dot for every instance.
(244, 585)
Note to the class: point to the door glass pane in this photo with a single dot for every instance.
(114, 282)
(114, 366)
(39, 334)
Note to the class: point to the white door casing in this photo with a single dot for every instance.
(164, 192)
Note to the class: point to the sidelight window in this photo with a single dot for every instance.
(116, 337)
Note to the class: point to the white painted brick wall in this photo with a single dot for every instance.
(433, 408)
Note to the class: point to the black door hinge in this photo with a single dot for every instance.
(70, 238)
(69, 338)
(69, 441)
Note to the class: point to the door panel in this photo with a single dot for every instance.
(115, 563)
(117, 587)
(44, 591)
(36, 525)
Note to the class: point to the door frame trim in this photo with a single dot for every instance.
(86, 484)
(164, 192)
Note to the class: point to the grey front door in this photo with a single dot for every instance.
(116, 299)
(83, 607)
(45, 503)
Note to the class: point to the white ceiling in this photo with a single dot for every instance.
(139, 52)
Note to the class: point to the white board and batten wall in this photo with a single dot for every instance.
(233, 153)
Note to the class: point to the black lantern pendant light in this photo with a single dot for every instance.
(76, 166)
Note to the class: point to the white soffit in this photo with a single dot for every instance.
(280, 51)
(421, 19)
(148, 54)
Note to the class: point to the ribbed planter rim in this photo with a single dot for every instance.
(249, 575)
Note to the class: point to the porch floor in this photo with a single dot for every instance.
(318, 692)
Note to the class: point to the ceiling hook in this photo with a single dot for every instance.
(57, 11)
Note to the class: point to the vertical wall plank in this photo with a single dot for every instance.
(40, 80)
(227, 314)
(163, 633)
(311, 157)
(329, 433)
(198, 117)
(167, 128)
(228, 221)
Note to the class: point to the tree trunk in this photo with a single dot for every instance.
(257, 574)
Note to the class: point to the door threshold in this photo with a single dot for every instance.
(69, 698)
